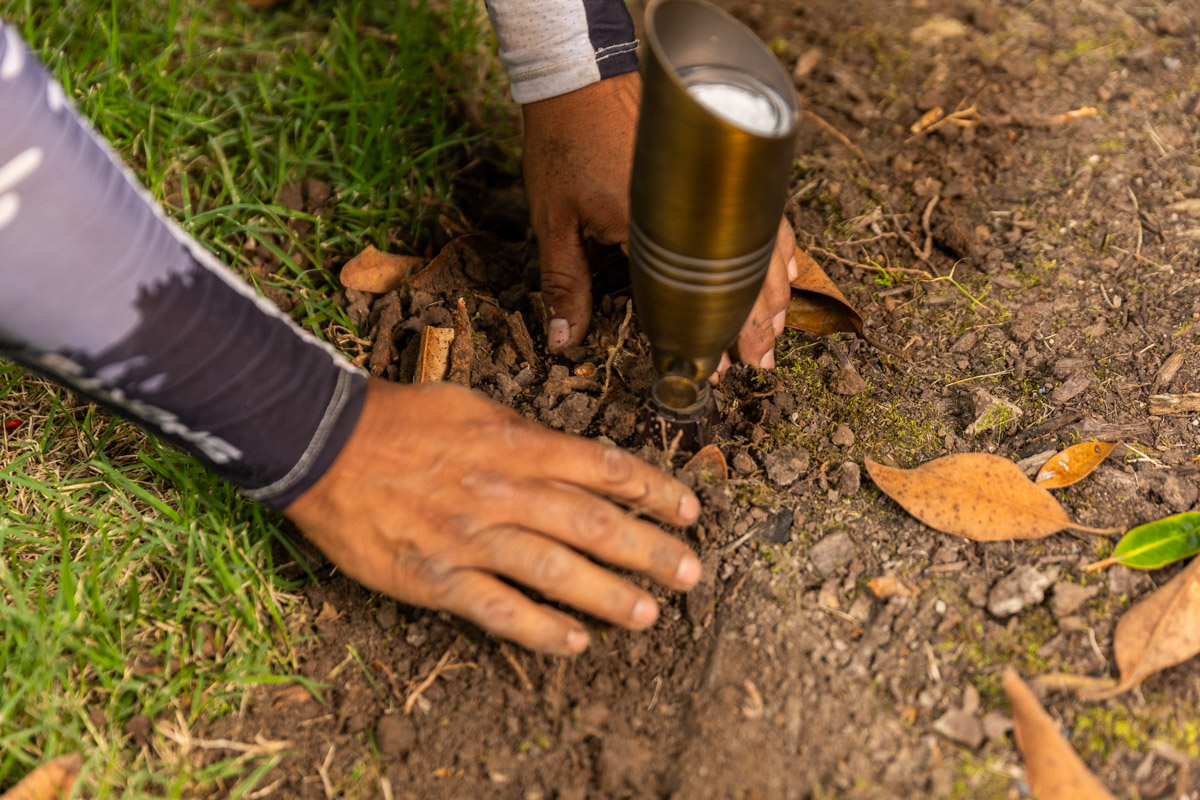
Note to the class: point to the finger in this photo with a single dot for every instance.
(566, 287)
(724, 364)
(756, 342)
(785, 245)
(504, 611)
(777, 288)
(604, 469)
(561, 574)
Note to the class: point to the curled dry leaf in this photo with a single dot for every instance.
(1073, 464)
(378, 272)
(977, 495)
(817, 306)
(1054, 770)
(708, 461)
(51, 781)
(1159, 632)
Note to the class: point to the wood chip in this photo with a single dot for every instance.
(434, 358)
(1166, 373)
(1162, 405)
(462, 349)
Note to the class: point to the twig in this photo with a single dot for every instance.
(868, 240)
(920, 273)
(323, 771)
(512, 660)
(622, 331)
(966, 115)
(1137, 217)
(429, 679)
(927, 249)
(841, 137)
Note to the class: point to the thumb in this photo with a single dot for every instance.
(566, 289)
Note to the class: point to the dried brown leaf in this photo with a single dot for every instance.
(378, 272)
(51, 781)
(1159, 632)
(1072, 464)
(976, 495)
(817, 306)
(455, 265)
(710, 460)
(1054, 770)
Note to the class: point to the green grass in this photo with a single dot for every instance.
(131, 581)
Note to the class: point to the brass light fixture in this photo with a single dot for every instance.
(715, 143)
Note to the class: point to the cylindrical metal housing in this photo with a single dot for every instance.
(715, 143)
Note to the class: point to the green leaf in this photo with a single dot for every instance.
(1161, 542)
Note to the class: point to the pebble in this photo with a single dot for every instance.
(387, 617)
(743, 464)
(843, 436)
(996, 725)
(396, 735)
(847, 382)
(786, 464)
(1022, 587)
(1069, 597)
(849, 478)
(831, 553)
(1178, 493)
(959, 726)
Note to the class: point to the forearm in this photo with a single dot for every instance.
(552, 47)
(105, 294)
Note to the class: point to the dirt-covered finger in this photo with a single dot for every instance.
(566, 287)
(502, 610)
(559, 573)
(756, 342)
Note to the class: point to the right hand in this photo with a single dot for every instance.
(440, 492)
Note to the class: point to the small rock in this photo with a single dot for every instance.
(1172, 20)
(1125, 581)
(396, 736)
(743, 464)
(575, 354)
(1072, 387)
(966, 343)
(843, 436)
(1177, 493)
(961, 727)
(786, 464)
(847, 382)
(849, 478)
(1022, 587)
(996, 725)
(831, 553)
(992, 413)
(1069, 597)
(387, 617)
(526, 377)
(1065, 367)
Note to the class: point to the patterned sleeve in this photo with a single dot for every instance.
(551, 47)
(104, 294)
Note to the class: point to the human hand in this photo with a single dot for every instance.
(439, 493)
(578, 161)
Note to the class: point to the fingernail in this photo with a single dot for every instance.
(558, 332)
(577, 641)
(793, 270)
(644, 613)
(768, 361)
(777, 322)
(688, 571)
(689, 507)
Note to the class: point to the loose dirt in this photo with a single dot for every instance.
(1045, 254)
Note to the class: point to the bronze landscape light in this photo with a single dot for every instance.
(715, 143)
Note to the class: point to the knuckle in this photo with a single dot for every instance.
(615, 466)
(552, 569)
(597, 525)
(498, 612)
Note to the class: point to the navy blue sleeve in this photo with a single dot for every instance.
(103, 293)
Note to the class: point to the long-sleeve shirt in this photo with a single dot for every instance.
(105, 294)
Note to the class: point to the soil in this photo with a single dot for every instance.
(1052, 261)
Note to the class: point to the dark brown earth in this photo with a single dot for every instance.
(1052, 262)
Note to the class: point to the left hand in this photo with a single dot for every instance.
(578, 162)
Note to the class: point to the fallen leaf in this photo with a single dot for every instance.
(1159, 632)
(1072, 464)
(455, 265)
(433, 360)
(976, 495)
(328, 613)
(886, 586)
(1157, 543)
(378, 272)
(1053, 768)
(708, 461)
(50, 781)
(817, 306)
